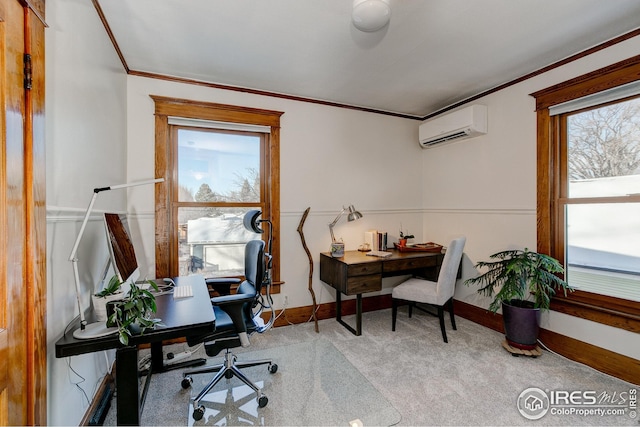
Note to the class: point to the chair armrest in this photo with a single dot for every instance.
(233, 306)
(230, 300)
(222, 285)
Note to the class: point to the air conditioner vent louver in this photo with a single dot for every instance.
(465, 123)
(456, 135)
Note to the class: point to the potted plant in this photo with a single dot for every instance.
(402, 241)
(110, 292)
(133, 313)
(522, 283)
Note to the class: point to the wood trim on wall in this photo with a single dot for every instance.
(572, 58)
(607, 310)
(575, 57)
(166, 107)
(603, 360)
(614, 75)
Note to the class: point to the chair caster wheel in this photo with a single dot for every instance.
(273, 368)
(262, 401)
(228, 375)
(198, 413)
(186, 382)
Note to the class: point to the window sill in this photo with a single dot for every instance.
(616, 312)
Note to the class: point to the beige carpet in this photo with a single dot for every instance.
(471, 380)
(314, 385)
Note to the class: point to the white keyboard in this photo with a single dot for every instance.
(381, 254)
(182, 292)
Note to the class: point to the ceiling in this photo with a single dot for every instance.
(432, 54)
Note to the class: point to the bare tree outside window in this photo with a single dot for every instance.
(605, 142)
(219, 179)
(602, 221)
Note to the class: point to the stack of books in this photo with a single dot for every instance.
(377, 240)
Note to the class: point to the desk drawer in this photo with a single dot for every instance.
(363, 284)
(410, 264)
(364, 269)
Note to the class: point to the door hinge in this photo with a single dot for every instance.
(27, 71)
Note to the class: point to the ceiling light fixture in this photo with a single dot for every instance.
(370, 15)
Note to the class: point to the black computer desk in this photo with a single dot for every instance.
(180, 318)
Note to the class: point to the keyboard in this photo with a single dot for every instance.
(381, 254)
(182, 292)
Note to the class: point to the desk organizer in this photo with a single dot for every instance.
(420, 247)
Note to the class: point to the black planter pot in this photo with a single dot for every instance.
(521, 323)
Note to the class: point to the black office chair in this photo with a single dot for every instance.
(237, 316)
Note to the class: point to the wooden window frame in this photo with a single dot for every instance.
(166, 236)
(616, 312)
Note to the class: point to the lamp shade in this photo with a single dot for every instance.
(370, 15)
(353, 214)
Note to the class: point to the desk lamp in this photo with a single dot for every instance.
(97, 329)
(352, 216)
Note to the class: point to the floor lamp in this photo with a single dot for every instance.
(97, 329)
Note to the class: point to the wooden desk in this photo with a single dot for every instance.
(356, 273)
(180, 318)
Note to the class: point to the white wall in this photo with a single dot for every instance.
(86, 148)
(97, 118)
(487, 190)
(329, 157)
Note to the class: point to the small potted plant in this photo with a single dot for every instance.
(402, 241)
(134, 314)
(513, 280)
(111, 292)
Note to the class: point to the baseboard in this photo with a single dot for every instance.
(107, 383)
(297, 315)
(603, 360)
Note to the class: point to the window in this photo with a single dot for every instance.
(219, 180)
(589, 191)
(600, 196)
(219, 162)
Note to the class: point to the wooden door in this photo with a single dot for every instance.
(22, 215)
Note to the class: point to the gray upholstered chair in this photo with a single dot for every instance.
(437, 294)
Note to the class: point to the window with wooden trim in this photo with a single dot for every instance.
(599, 203)
(218, 161)
(589, 191)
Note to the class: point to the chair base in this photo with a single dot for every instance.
(227, 369)
(439, 314)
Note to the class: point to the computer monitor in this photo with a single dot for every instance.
(122, 258)
(121, 251)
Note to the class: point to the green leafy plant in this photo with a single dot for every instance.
(406, 236)
(112, 287)
(134, 311)
(520, 274)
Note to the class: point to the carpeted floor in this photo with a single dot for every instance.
(414, 378)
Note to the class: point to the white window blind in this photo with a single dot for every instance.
(209, 124)
(620, 92)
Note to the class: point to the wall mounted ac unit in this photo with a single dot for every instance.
(465, 123)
